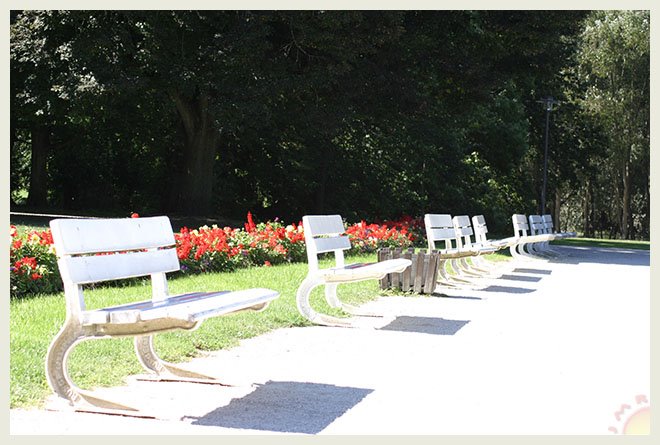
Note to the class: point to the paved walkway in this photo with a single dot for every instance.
(550, 348)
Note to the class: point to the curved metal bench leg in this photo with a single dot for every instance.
(518, 252)
(165, 371)
(334, 301)
(58, 377)
(460, 273)
(469, 268)
(302, 303)
(443, 276)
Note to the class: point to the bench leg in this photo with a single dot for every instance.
(302, 302)
(144, 348)
(443, 277)
(333, 301)
(58, 376)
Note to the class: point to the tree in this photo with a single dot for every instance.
(615, 65)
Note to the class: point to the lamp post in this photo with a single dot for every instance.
(548, 102)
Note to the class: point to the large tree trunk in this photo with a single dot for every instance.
(38, 190)
(194, 192)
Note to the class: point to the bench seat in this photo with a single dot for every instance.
(363, 271)
(191, 307)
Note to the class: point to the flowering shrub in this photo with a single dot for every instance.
(368, 238)
(33, 264)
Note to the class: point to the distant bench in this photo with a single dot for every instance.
(326, 233)
(96, 250)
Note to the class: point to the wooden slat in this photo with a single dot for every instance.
(316, 225)
(430, 267)
(383, 255)
(79, 236)
(90, 269)
(405, 276)
(419, 272)
(396, 277)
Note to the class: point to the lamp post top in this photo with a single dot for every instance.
(549, 101)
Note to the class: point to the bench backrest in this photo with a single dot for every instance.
(325, 233)
(536, 225)
(439, 228)
(520, 225)
(480, 229)
(549, 225)
(95, 250)
(464, 231)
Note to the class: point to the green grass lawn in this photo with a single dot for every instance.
(599, 242)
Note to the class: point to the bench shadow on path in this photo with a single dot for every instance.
(425, 325)
(286, 407)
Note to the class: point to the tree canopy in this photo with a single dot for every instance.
(370, 114)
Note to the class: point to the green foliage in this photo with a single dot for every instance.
(613, 66)
(370, 114)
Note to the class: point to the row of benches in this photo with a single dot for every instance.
(97, 250)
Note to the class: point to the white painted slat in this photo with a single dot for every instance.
(78, 236)
(329, 244)
(90, 269)
(441, 234)
(438, 220)
(316, 225)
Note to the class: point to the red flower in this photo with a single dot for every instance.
(17, 244)
(35, 276)
(31, 262)
(250, 226)
(134, 215)
(12, 231)
(267, 263)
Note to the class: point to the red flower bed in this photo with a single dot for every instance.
(33, 263)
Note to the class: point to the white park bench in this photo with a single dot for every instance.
(550, 228)
(326, 233)
(537, 226)
(97, 250)
(477, 267)
(543, 225)
(440, 230)
(528, 243)
(480, 234)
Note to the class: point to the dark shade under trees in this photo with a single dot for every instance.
(370, 114)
